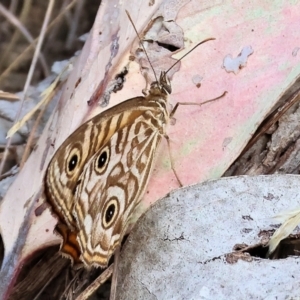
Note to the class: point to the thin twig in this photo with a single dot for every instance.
(30, 73)
(114, 281)
(95, 285)
(32, 45)
(31, 136)
(14, 21)
(75, 23)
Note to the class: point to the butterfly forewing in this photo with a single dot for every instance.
(64, 170)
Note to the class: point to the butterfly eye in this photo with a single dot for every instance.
(73, 160)
(110, 214)
(102, 160)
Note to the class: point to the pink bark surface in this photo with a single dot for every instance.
(204, 140)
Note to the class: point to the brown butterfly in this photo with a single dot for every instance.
(99, 174)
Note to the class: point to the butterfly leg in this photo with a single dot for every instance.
(172, 161)
(167, 137)
(194, 103)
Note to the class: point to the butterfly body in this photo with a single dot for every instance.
(99, 174)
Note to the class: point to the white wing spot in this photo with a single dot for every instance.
(88, 222)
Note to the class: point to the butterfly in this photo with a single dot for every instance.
(99, 174)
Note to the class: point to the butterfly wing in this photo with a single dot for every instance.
(75, 158)
(111, 185)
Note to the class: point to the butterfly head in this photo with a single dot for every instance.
(165, 83)
(162, 86)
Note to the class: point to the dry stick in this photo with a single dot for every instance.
(74, 25)
(43, 288)
(20, 28)
(32, 45)
(68, 287)
(13, 6)
(9, 96)
(30, 73)
(9, 173)
(67, 19)
(31, 136)
(271, 119)
(114, 281)
(97, 282)
(79, 284)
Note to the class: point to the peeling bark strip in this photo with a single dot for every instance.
(161, 39)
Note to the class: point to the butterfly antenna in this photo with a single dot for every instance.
(209, 39)
(141, 43)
